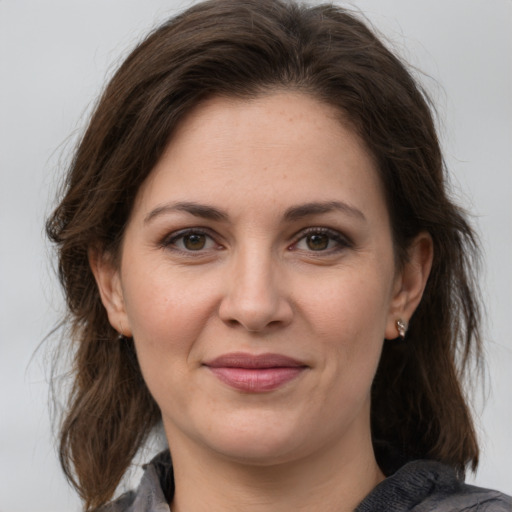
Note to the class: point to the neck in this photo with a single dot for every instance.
(335, 479)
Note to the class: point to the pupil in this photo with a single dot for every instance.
(318, 242)
(194, 242)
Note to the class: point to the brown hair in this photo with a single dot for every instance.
(243, 48)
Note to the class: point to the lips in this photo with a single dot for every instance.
(255, 373)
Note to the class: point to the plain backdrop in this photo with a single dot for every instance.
(54, 58)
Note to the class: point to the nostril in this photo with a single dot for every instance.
(253, 328)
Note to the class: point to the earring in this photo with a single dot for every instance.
(120, 336)
(401, 327)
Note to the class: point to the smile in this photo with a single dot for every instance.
(255, 373)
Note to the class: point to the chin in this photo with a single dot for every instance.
(259, 438)
(258, 449)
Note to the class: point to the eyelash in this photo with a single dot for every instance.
(342, 242)
(169, 242)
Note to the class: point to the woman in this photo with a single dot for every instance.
(258, 253)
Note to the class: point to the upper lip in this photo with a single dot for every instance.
(252, 361)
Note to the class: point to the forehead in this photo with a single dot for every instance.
(276, 148)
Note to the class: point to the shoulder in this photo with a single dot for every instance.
(430, 486)
(154, 492)
(445, 492)
(467, 498)
(122, 504)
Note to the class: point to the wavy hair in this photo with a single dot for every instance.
(244, 48)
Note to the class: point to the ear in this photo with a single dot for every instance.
(410, 282)
(108, 280)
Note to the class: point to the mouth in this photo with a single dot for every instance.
(255, 373)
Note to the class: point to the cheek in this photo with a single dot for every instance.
(166, 314)
(348, 319)
(349, 306)
(166, 323)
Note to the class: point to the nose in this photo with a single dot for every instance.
(255, 296)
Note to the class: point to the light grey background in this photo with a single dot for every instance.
(54, 58)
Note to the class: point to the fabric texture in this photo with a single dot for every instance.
(417, 486)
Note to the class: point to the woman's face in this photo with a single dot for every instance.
(257, 279)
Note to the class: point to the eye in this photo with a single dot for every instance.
(190, 240)
(318, 242)
(321, 240)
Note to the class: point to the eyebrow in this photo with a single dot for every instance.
(196, 209)
(316, 208)
(293, 213)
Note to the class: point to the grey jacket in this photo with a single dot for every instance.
(417, 486)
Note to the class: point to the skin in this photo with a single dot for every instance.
(318, 286)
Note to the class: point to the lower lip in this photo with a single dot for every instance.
(257, 380)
